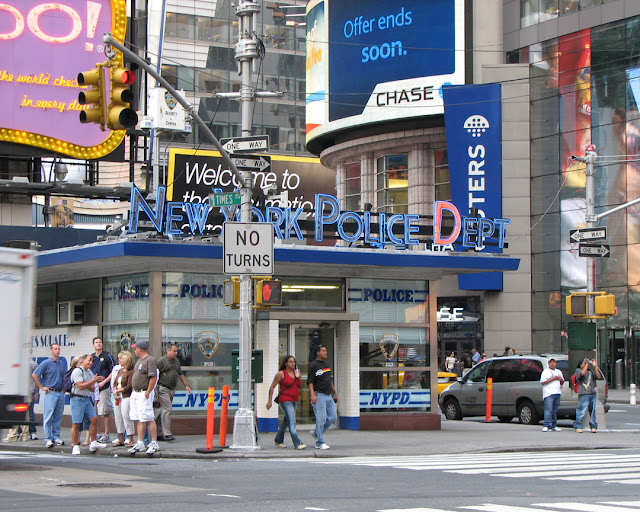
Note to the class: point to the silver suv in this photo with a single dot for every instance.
(516, 390)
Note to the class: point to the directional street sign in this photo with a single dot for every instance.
(248, 248)
(254, 144)
(228, 199)
(252, 162)
(588, 235)
(594, 250)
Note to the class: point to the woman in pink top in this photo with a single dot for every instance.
(289, 381)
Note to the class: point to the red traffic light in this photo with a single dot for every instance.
(123, 76)
(269, 293)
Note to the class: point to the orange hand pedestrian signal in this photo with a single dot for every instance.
(268, 293)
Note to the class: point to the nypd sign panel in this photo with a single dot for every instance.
(248, 248)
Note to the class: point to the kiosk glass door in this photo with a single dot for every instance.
(302, 342)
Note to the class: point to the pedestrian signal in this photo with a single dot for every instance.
(577, 305)
(605, 304)
(269, 293)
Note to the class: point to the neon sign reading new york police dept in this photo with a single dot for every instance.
(377, 231)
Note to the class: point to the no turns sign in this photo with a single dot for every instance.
(248, 248)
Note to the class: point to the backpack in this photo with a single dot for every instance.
(66, 381)
(574, 383)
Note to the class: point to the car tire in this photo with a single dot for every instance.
(452, 410)
(527, 414)
(505, 419)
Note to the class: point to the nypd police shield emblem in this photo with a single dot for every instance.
(170, 100)
(125, 341)
(208, 343)
(389, 344)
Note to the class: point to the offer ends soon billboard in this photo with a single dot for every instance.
(371, 61)
(43, 47)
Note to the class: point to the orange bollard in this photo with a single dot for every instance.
(489, 398)
(222, 436)
(211, 404)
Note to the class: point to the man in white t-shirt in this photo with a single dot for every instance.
(551, 380)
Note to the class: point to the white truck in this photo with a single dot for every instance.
(17, 281)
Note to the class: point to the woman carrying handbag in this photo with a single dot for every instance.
(289, 382)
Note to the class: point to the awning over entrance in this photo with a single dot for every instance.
(123, 257)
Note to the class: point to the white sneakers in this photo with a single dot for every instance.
(553, 429)
(545, 429)
(323, 446)
(138, 447)
(75, 450)
(95, 446)
(152, 448)
(557, 429)
(49, 443)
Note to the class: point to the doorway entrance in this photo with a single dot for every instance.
(300, 340)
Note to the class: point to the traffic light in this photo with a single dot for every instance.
(120, 115)
(577, 305)
(96, 96)
(605, 304)
(231, 293)
(268, 293)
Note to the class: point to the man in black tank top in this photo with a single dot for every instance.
(323, 395)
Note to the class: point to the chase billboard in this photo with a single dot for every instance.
(43, 47)
(375, 61)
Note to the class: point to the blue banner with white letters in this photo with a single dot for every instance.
(473, 118)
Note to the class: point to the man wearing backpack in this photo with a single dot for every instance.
(103, 363)
(586, 377)
(48, 378)
(551, 380)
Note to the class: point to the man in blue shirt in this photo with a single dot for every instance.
(476, 357)
(48, 379)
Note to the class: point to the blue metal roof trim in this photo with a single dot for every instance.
(336, 255)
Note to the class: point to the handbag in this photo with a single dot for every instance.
(277, 398)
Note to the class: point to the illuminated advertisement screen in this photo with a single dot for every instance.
(43, 47)
(372, 61)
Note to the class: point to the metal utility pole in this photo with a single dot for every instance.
(591, 218)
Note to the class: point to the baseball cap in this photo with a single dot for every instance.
(141, 345)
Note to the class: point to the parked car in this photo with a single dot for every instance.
(516, 390)
(445, 379)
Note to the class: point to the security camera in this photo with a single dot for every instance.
(146, 124)
(270, 190)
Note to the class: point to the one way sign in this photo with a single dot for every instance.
(252, 144)
(588, 234)
(594, 250)
(252, 162)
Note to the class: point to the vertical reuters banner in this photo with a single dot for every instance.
(316, 65)
(43, 47)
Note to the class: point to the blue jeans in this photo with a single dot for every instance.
(584, 402)
(32, 416)
(551, 405)
(289, 421)
(325, 411)
(52, 411)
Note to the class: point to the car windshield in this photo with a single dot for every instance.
(477, 373)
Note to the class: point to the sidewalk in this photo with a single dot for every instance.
(455, 437)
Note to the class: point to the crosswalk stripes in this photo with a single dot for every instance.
(598, 506)
(610, 467)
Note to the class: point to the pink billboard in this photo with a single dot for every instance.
(43, 47)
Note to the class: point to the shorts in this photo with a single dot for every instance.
(104, 405)
(141, 408)
(81, 408)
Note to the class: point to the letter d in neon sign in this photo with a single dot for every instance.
(438, 207)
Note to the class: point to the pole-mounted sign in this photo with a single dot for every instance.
(252, 144)
(594, 250)
(588, 234)
(251, 162)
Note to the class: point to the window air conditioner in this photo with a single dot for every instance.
(71, 312)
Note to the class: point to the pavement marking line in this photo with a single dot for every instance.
(413, 510)
(489, 507)
(628, 482)
(588, 507)
(555, 469)
(579, 478)
(223, 495)
(569, 472)
(314, 508)
(625, 503)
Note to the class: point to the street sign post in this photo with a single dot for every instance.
(594, 250)
(252, 144)
(228, 199)
(248, 248)
(588, 235)
(252, 162)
